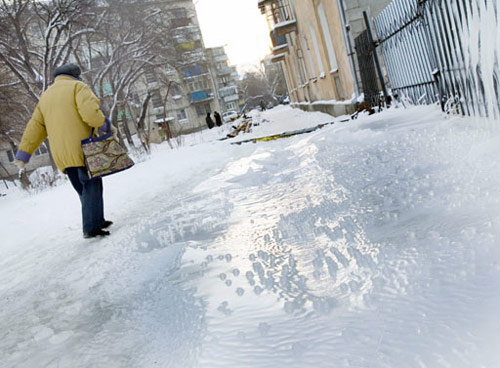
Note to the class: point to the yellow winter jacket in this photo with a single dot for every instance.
(66, 113)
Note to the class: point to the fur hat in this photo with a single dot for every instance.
(69, 69)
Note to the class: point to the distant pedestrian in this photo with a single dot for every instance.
(262, 105)
(218, 119)
(210, 122)
(66, 113)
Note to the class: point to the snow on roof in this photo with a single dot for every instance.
(280, 47)
(278, 57)
(285, 24)
(166, 120)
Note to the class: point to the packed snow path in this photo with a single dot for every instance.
(372, 243)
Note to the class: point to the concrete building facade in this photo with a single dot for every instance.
(314, 40)
(8, 153)
(225, 77)
(182, 93)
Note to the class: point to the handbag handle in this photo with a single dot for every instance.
(97, 139)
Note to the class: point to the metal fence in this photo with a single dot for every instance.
(445, 51)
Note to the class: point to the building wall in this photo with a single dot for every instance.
(354, 18)
(225, 79)
(180, 93)
(309, 53)
(311, 74)
(38, 159)
(354, 13)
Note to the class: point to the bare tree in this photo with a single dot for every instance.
(114, 41)
(13, 109)
(130, 41)
(37, 36)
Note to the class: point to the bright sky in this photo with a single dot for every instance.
(239, 26)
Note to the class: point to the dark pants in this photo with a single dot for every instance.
(90, 192)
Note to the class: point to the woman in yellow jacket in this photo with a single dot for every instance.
(66, 113)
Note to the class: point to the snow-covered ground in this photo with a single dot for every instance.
(371, 243)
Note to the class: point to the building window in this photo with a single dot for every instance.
(328, 38)
(204, 109)
(298, 62)
(10, 156)
(312, 69)
(199, 111)
(194, 70)
(181, 115)
(176, 90)
(156, 99)
(316, 48)
(302, 66)
(179, 12)
(231, 105)
(41, 150)
(135, 98)
(151, 77)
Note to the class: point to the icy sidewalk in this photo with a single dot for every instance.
(372, 243)
(368, 244)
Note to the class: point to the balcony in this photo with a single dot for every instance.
(280, 43)
(201, 96)
(263, 3)
(278, 57)
(280, 50)
(220, 58)
(285, 27)
(277, 40)
(195, 71)
(224, 71)
(280, 14)
(186, 34)
(180, 22)
(189, 46)
(231, 98)
(195, 56)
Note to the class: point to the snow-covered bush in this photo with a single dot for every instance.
(43, 178)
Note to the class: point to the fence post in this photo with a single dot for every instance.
(436, 74)
(375, 55)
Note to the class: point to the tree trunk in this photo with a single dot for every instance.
(114, 120)
(52, 162)
(140, 124)
(126, 129)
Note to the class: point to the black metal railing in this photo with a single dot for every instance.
(438, 51)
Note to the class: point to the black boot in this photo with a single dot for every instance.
(106, 224)
(95, 234)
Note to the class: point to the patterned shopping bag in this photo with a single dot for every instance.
(104, 156)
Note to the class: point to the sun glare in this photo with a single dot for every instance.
(239, 26)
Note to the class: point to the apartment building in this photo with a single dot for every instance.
(184, 91)
(225, 78)
(313, 41)
(181, 87)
